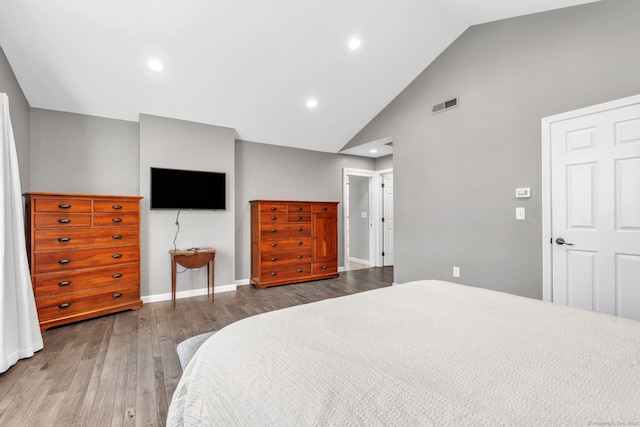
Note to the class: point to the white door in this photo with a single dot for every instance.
(595, 210)
(387, 225)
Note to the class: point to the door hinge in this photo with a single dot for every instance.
(382, 219)
(383, 185)
(382, 253)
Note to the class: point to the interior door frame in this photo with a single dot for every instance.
(375, 185)
(547, 225)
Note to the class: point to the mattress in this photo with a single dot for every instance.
(421, 353)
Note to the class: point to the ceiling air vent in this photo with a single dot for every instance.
(446, 105)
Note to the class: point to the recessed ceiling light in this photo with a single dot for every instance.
(373, 150)
(354, 43)
(312, 103)
(155, 65)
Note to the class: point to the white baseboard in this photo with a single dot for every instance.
(359, 261)
(341, 269)
(243, 282)
(187, 294)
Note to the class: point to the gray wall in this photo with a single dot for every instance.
(455, 172)
(358, 226)
(75, 153)
(181, 144)
(20, 115)
(266, 171)
(385, 162)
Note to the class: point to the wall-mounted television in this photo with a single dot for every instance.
(187, 189)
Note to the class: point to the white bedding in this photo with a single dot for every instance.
(421, 353)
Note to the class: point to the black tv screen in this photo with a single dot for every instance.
(187, 189)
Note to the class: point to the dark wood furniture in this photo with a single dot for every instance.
(192, 258)
(293, 241)
(84, 253)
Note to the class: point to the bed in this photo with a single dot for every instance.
(421, 353)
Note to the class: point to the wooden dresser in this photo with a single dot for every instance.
(293, 241)
(84, 252)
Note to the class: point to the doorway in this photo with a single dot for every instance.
(591, 208)
(363, 208)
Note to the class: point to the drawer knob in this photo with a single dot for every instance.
(324, 267)
(299, 243)
(299, 256)
(117, 206)
(117, 275)
(299, 218)
(299, 208)
(299, 270)
(64, 261)
(117, 295)
(116, 220)
(64, 239)
(324, 209)
(64, 305)
(274, 273)
(273, 208)
(274, 218)
(299, 228)
(273, 230)
(65, 283)
(273, 245)
(64, 206)
(64, 220)
(117, 236)
(116, 256)
(274, 259)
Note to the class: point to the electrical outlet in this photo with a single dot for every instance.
(520, 213)
(456, 271)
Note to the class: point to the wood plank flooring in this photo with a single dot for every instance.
(122, 369)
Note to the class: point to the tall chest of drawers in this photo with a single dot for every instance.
(84, 253)
(293, 241)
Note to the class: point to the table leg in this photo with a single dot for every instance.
(213, 268)
(173, 280)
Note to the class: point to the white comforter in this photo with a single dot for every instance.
(421, 353)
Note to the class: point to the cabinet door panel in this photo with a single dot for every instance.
(325, 241)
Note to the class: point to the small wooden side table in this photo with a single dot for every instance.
(192, 258)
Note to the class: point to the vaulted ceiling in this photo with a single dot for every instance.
(251, 65)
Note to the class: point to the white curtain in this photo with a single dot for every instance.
(19, 326)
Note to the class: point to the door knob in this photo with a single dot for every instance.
(561, 241)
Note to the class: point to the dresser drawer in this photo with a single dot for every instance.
(325, 267)
(115, 206)
(62, 220)
(279, 230)
(114, 219)
(55, 239)
(62, 205)
(275, 258)
(49, 262)
(286, 244)
(289, 271)
(270, 218)
(299, 217)
(94, 300)
(273, 208)
(298, 208)
(325, 207)
(48, 285)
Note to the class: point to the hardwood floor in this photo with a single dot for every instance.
(122, 369)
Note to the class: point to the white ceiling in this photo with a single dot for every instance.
(250, 65)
